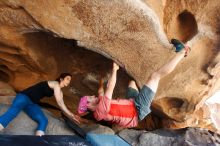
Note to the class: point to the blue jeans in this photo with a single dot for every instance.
(23, 102)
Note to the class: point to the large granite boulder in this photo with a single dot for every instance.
(41, 38)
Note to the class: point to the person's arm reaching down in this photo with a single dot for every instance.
(59, 98)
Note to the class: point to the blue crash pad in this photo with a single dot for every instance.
(105, 140)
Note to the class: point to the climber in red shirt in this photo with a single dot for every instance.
(127, 112)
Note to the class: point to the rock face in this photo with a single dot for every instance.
(161, 137)
(41, 38)
(6, 90)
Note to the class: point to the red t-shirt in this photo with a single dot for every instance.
(119, 111)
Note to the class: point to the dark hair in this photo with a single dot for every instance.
(62, 76)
